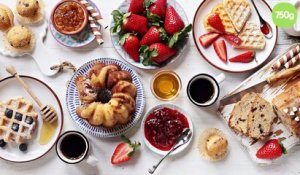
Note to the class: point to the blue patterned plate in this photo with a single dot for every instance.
(115, 37)
(73, 101)
(74, 41)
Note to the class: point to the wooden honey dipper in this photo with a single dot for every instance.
(48, 113)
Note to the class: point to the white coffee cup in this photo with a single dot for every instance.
(73, 147)
(204, 96)
(295, 30)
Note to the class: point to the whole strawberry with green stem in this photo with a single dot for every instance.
(154, 35)
(136, 6)
(156, 9)
(173, 22)
(124, 151)
(129, 22)
(272, 149)
(131, 45)
(156, 54)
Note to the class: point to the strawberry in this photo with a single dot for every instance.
(154, 35)
(129, 23)
(215, 21)
(245, 57)
(208, 38)
(233, 39)
(136, 6)
(156, 7)
(124, 151)
(271, 150)
(131, 45)
(220, 48)
(157, 53)
(173, 22)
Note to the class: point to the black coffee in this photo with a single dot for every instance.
(73, 146)
(201, 90)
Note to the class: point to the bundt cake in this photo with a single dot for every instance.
(107, 95)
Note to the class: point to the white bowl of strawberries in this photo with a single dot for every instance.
(150, 34)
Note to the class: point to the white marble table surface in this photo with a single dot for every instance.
(189, 162)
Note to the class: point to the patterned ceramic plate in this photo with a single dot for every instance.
(115, 37)
(73, 101)
(79, 40)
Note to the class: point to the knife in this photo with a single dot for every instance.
(260, 86)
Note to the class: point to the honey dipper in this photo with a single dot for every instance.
(48, 113)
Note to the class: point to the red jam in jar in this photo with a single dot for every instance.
(163, 126)
(69, 17)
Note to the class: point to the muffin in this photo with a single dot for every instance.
(213, 144)
(19, 39)
(6, 18)
(29, 11)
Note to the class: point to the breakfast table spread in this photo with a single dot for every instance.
(66, 97)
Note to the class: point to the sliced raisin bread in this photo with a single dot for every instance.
(288, 103)
(252, 116)
(238, 120)
(260, 119)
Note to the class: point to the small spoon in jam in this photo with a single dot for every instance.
(184, 137)
(265, 27)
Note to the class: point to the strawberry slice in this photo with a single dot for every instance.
(245, 57)
(233, 39)
(215, 21)
(124, 151)
(208, 38)
(271, 150)
(221, 50)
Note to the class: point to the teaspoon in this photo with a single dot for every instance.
(265, 27)
(181, 140)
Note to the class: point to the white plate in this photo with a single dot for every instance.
(115, 37)
(209, 54)
(171, 106)
(10, 88)
(268, 93)
(73, 100)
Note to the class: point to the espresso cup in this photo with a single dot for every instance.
(203, 90)
(295, 29)
(73, 147)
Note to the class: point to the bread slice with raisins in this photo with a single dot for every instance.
(238, 120)
(260, 119)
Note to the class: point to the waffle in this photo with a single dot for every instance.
(251, 37)
(18, 120)
(219, 9)
(238, 11)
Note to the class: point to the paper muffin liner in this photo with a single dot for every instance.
(39, 17)
(202, 146)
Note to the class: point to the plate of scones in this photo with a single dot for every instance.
(228, 34)
(22, 128)
(105, 97)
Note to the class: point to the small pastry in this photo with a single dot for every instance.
(29, 11)
(6, 18)
(19, 39)
(213, 144)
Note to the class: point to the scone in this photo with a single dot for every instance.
(288, 103)
(30, 11)
(238, 11)
(6, 18)
(213, 144)
(252, 37)
(219, 9)
(19, 39)
(252, 116)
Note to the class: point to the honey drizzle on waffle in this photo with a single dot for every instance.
(17, 120)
